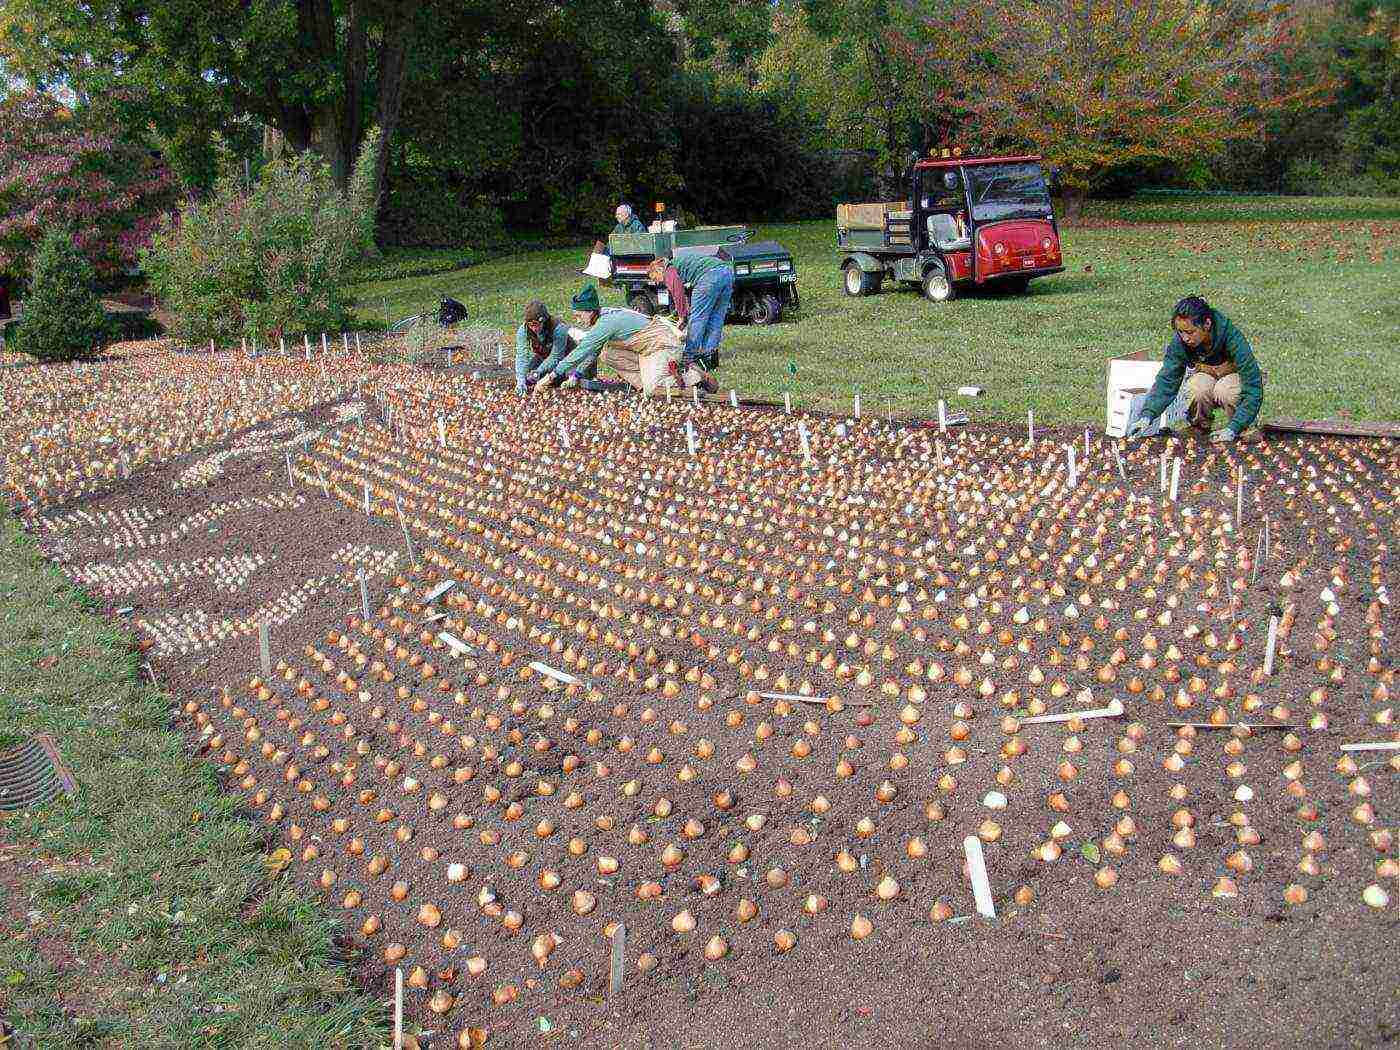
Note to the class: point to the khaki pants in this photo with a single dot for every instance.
(1207, 393)
(625, 357)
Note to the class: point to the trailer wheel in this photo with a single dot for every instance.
(764, 309)
(937, 287)
(642, 302)
(858, 282)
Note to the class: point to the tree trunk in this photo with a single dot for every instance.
(1074, 197)
(393, 68)
(336, 129)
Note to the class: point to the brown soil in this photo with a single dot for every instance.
(619, 559)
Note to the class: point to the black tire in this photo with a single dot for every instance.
(764, 309)
(937, 287)
(855, 281)
(642, 301)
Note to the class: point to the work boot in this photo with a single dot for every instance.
(696, 375)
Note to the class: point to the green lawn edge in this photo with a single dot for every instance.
(1310, 282)
(184, 939)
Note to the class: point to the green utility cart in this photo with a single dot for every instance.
(765, 275)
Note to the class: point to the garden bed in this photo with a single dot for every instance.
(482, 824)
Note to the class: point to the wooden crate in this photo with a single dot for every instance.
(869, 216)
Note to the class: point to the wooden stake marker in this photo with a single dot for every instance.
(1271, 645)
(454, 643)
(977, 872)
(690, 443)
(1113, 710)
(264, 649)
(364, 593)
(618, 963)
(733, 398)
(438, 591)
(1292, 727)
(403, 523)
(558, 676)
(857, 404)
(398, 1008)
(787, 403)
(1176, 477)
(1030, 426)
(367, 497)
(1386, 745)
(942, 417)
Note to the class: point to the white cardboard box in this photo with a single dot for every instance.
(1129, 380)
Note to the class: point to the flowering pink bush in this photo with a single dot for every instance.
(62, 169)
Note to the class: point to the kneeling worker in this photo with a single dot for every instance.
(580, 365)
(1226, 374)
(541, 342)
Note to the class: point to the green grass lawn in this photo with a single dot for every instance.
(1311, 281)
(140, 914)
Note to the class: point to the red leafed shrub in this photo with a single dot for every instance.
(64, 169)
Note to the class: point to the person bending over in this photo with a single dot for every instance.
(1224, 375)
(711, 282)
(579, 366)
(662, 272)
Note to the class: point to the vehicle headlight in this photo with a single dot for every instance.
(785, 266)
(999, 248)
(1046, 243)
(741, 269)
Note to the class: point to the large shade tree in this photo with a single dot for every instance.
(1095, 85)
(319, 73)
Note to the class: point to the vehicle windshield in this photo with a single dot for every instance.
(1007, 191)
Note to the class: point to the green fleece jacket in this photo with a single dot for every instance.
(693, 265)
(613, 323)
(1227, 342)
(525, 351)
(632, 225)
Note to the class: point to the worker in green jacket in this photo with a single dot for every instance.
(541, 342)
(710, 279)
(579, 367)
(1224, 374)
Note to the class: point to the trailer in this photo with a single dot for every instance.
(969, 222)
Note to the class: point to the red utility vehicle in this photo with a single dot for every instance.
(969, 222)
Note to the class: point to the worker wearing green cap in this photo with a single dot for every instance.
(601, 326)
